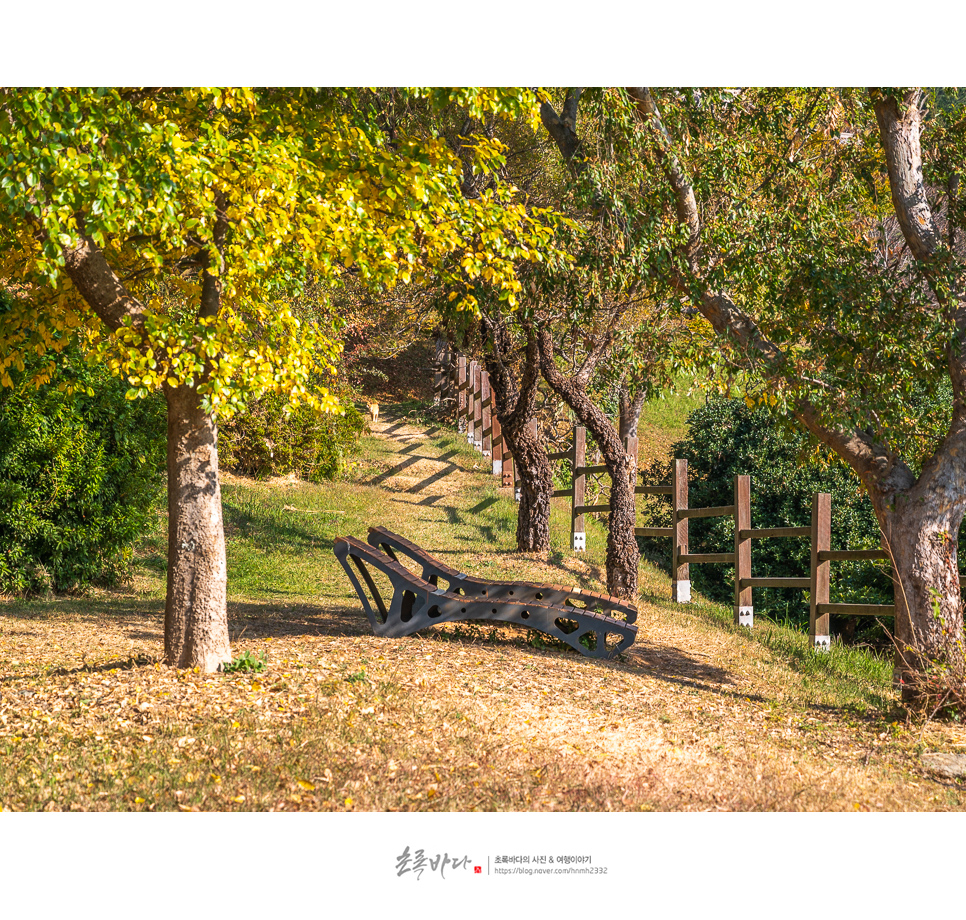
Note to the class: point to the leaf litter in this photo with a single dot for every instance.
(462, 717)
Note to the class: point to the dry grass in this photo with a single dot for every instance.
(696, 716)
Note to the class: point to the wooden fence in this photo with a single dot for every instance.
(464, 387)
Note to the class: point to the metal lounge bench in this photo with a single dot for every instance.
(417, 603)
(460, 583)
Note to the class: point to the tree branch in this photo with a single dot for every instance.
(900, 129)
(563, 128)
(878, 466)
(211, 284)
(100, 287)
(685, 202)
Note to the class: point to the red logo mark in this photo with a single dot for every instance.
(478, 870)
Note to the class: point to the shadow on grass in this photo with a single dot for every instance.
(668, 664)
(411, 460)
(117, 611)
(258, 620)
(117, 664)
(288, 531)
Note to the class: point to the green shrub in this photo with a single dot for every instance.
(79, 477)
(726, 438)
(267, 441)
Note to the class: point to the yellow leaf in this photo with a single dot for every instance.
(348, 802)
(306, 785)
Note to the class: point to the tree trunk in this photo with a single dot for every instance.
(196, 615)
(920, 531)
(630, 404)
(536, 484)
(623, 556)
(515, 406)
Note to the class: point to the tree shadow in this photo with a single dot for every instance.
(257, 620)
(411, 460)
(253, 525)
(118, 611)
(674, 665)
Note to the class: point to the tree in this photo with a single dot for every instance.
(506, 339)
(513, 383)
(166, 230)
(830, 264)
(602, 310)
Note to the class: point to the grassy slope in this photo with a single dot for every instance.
(664, 421)
(698, 715)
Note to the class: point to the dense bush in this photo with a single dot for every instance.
(267, 441)
(726, 438)
(79, 477)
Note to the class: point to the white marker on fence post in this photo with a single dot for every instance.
(818, 623)
(680, 574)
(744, 604)
(471, 402)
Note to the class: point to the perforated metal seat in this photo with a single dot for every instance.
(418, 602)
(460, 583)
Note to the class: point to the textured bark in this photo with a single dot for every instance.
(515, 406)
(195, 617)
(563, 127)
(630, 403)
(536, 484)
(921, 524)
(623, 556)
(920, 530)
(96, 282)
(900, 127)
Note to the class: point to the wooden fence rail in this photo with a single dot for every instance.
(464, 387)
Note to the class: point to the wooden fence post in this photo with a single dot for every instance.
(744, 604)
(439, 374)
(497, 444)
(471, 402)
(680, 575)
(630, 448)
(449, 375)
(461, 393)
(477, 440)
(818, 624)
(508, 472)
(578, 536)
(486, 401)
(442, 376)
